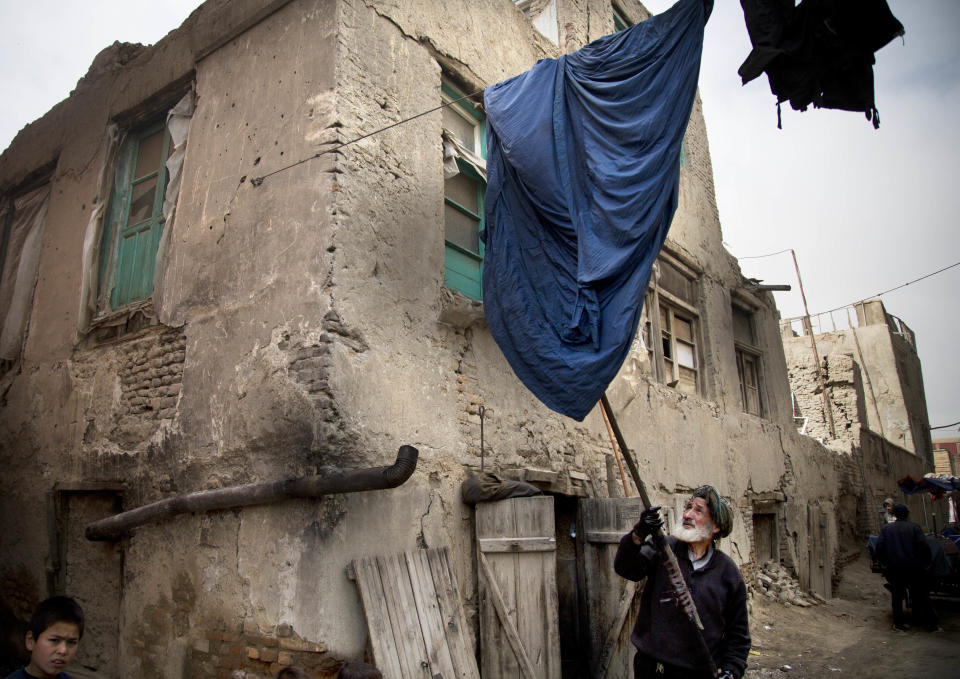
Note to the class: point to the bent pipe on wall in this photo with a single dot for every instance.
(333, 481)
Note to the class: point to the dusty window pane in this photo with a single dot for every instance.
(743, 326)
(749, 373)
(148, 155)
(683, 329)
(462, 230)
(685, 355)
(464, 130)
(688, 381)
(141, 202)
(463, 190)
(672, 280)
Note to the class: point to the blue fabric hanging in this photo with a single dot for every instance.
(583, 162)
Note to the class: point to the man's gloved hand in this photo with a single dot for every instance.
(649, 522)
(726, 674)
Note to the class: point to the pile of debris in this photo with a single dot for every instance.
(777, 583)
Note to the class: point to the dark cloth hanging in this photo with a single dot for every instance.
(583, 165)
(819, 52)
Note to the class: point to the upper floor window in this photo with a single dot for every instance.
(671, 326)
(23, 221)
(465, 182)
(543, 16)
(620, 21)
(134, 218)
(126, 229)
(749, 360)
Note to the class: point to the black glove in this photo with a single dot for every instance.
(649, 522)
(726, 674)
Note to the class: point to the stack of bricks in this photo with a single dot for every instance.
(246, 653)
(151, 377)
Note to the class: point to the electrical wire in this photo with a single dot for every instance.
(770, 255)
(880, 294)
(946, 426)
(257, 181)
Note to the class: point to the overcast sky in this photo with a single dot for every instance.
(865, 210)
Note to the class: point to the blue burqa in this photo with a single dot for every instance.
(583, 162)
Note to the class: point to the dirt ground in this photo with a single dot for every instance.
(851, 635)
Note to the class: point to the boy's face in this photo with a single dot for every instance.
(50, 653)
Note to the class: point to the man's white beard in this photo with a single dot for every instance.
(692, 534)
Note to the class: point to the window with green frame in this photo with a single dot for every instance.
(620, 21)
(134, 218)
(463, 197)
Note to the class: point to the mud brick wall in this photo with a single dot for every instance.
(245, 653)
(152, 374)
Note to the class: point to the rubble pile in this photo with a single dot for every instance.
(777, 583)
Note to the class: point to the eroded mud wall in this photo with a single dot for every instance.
(302, 321)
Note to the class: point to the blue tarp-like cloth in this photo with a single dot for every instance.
(583, 166)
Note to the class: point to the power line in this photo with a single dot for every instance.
(946, 426)
(770, 255)
(881, 294)
(257, 181)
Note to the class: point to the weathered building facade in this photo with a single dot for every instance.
(231, 269)
(870, 375)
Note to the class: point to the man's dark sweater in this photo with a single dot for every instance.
(662, 630)
(903, 547)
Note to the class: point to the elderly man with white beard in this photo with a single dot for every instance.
(667, 647)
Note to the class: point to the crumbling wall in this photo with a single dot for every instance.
(883, 465)
(873, 379)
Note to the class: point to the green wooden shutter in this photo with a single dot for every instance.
(134, 218)
(463, 259)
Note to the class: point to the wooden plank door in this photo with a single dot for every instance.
(818, 571)
(609, 604)
(414, 615)
(519, 623)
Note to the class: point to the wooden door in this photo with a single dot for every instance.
(516, 554)
(765, 538)
(609, 604)
(414, 615)
(818, 564)
(92, 573)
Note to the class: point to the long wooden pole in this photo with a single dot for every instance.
(827, 410)
(616, 454)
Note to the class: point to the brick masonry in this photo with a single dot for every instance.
(245, 653)
(151, 375)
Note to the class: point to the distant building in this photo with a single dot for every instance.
(946, 455)
(870, 375)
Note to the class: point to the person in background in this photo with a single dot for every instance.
(903, 549)
(887, 512)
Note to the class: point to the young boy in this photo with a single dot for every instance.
(55, 630)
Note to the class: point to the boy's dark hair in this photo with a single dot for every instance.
(359, 670)
(53, 610)
(901, 512)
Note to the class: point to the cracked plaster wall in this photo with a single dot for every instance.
(874, 381)
(316, 330)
